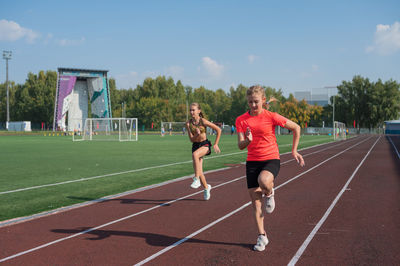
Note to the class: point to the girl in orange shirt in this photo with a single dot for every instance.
(256, 132)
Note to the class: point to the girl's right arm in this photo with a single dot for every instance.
(244, 139)
(190, 134)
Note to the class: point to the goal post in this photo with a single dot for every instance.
(108, 129)
(173, 128)
(339, 130)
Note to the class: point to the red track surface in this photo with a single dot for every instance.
(362, 227)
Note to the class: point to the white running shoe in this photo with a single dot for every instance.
(270, 202)
(195, 183)
(207, 193)
(262, 241)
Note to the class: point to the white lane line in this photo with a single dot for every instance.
(18, 220)
(314, 152)
(394, 146)
(113, 222)
(303, 247)
(130, 216)
(315, 166)
(125, 172)
(105, 198)
(46, 213)
(231, 213)
(177, 243)
(112, 174)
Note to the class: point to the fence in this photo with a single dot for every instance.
(226, 130)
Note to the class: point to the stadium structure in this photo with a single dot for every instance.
(78, 91)
(318, 96)
(392, 127)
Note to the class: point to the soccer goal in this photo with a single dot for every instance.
(339, 130)
(108, 129)
(173, 128)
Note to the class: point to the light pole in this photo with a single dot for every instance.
(187, 110)
(7, 56)
(333, 111)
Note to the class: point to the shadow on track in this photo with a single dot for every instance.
(132, 201)
(152, 239)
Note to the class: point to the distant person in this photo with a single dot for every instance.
(196, 128)
(232, 130)
(256, 132)
(162, 131)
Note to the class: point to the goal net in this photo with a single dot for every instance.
(173, 128)
(339, 130)
(108, 129)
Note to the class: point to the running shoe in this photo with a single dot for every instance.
(270, 202)
(195, 183)
(262, 241)
(207, 193)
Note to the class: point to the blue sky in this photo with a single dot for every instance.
(288, 45)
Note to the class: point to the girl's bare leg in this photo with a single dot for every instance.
(198, 164)
(256, 203)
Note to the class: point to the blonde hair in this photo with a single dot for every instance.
(198, 107)
(256, 89)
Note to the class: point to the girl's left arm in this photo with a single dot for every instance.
(218, 130)
(295, 128)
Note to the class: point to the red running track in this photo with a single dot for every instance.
(342, 208)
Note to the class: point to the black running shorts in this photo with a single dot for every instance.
(254, 168)
(205, 143)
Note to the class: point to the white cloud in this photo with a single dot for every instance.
(305, 74)
(251, 58)
(49, 36)
(386, 39)
(133, 78)
(67, 42)
(127, 80)
(133, 74)
(150, 74)
(212, 67)
(12, 31)
(310, 73)
(176, 72)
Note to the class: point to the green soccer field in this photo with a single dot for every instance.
(91, 170)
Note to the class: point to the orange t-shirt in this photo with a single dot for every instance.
(264, 146)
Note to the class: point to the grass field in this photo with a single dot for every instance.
(98, 169)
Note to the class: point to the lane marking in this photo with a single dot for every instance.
(303, 247)
(177, 243)
(231, 213)
(128, 171)
(150, 209)
(394, 146)
(112, 222)
(82, 204)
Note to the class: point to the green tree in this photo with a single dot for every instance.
(370, 104)
(221, 107)
(35, 99)
(12, 88)
(239, 102)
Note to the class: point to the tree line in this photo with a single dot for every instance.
(162, 99)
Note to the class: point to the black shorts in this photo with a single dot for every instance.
(254, 168)
(197, 145)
